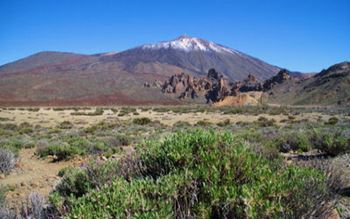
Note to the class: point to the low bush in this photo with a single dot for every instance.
(97, 112)
(3, 119)
(331, 142)
(142, 121)
(36, 207)
(7, 161)
(79, 181)
(25, 128)
(33, 109)
(126, 110)
(6, 213)
(75, 182)
(60, 151)
(114, 110)
(12, 144)
(8, 126)
(203, 174)
(226, 122)
(182, 124)
(332, 121)
(122, 139)
(63, 171)
(292, 141)
(101, 126)
(203, 123)
(290, 117)
(3, 191)
(264, 122)
(65, 125)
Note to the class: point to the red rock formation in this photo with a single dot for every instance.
(282, 76)
(214, 87)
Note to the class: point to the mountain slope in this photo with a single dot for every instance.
(56, 78)
(329, 87)
(196, 56)
(41, 59)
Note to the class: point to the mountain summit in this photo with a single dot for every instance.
(108, 78)
(188, 44)
(194, 56)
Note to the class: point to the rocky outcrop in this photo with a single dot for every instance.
(181, 84)
(186, 86)
(251, 84)
(219, 88)
(215, 88)
(281, 77)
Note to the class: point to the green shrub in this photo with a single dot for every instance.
(126, 110)
(292, 141)
(57, 201)
(114, 110)
(62, 151)
(64, 170)
(101, 126)
(203, 123)
(122, 139)
(264, 122)
(226, 122)
(33, 109)
(332, 142)
(25, 128)
(78, 181)
(203, 174)
(74, 182)
(182, 124)
(290, 117)
(65, 125)
(58, 109)
(142, 121)
(97, 112)
(3, 191)
(3, 119)
(332, 121)
(121, 114)
(12, 144)
(8, 126)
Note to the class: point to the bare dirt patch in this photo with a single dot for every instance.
(33, 174)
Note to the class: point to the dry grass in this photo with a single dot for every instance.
(49, 118)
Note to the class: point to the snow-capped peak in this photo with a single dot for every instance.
(188, 44)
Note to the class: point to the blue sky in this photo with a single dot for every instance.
(303, 35)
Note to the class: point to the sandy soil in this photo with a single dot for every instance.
(49, 118)
(33, 174)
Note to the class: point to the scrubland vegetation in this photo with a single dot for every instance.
(143, 168)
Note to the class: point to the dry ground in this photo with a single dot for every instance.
(33, 174)
(50, 118)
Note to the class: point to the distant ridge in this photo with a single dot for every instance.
(329, 87)
(61, 78)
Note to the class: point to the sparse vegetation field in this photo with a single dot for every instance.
(174, 162)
